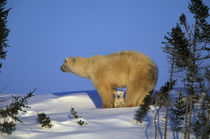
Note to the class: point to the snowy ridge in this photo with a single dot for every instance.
(116, 123)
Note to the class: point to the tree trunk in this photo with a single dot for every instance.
(155, 120)
(193, 71)
(167, 105)
(188, 79)
(190, 118)
(187, 105)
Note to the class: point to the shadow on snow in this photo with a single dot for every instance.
(93, 94)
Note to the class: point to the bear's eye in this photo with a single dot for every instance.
(73, 60)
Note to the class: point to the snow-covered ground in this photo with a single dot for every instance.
(113, 123)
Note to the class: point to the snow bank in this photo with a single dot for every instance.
(101, 123)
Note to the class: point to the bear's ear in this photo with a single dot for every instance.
(123, 92)
(73, 59)
(114, 92)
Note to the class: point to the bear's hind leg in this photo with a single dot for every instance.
(132, 96)
(143, 95)
(136, 89)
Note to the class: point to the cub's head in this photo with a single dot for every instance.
(118, 94)
(68, 63)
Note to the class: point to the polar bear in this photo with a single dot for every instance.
(118, 98)
(130, 69)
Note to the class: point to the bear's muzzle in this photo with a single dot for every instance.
(62, 68)
(65, 69)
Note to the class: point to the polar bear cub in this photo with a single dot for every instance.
(118, 98)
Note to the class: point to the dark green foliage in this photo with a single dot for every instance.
(197, 128)
(76, 116)
(182, 19)
(200, 12)
(4, 31)
(201, 127)
(7, 127)
(74, 113)
(161, 97)
(178, 112)
(18, 104)
(177, 47)
(187, 51)
(81, 123)
(10, 112)
(143, 108)
(199, 37)
(177, 50)
(44, 120)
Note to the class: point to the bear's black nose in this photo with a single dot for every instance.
(62, 68)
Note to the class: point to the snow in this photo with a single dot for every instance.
(115, 123)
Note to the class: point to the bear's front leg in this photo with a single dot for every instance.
(105, 93)
(107, 97)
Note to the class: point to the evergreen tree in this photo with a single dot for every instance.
(178, 112)
(201, 127)
(77, 117)
(176, 48)
(74, 113)
(202, 28)
(162, 99)
(144, 108)
(4, 31)
(198, 35)
(44, 120)
(187, 52)
(9, 114)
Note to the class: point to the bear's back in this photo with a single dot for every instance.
(125, 53)
(128, 58)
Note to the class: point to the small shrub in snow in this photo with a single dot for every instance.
(7, 127)
(8, 115)
(81, 123)
(74, 113)
(76, 116)
(178, 112)
(44, 120)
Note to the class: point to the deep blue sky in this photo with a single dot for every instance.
(44, 32)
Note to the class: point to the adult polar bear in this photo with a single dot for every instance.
(130, 69)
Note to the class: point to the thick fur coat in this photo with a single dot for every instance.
(130, 69)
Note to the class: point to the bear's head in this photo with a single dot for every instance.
(66, 67)
(76, 65)
(118, 94)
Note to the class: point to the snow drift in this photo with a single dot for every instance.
(101, 123)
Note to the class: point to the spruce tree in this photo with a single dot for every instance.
(74, 113)
(176, 48)
(201, 127)
(178, 112)
(44, 120)
(144, 108)
(194, 51)
(4, 31)
(161, 99)
(198, 35)
(77, 117)
(9, 114)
